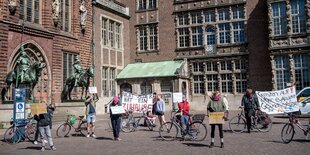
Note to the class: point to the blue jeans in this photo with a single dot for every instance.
(116, 125)
(184, 121)
(46, 130)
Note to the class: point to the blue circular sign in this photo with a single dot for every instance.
(20, 106)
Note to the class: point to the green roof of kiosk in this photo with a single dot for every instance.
(150, 69)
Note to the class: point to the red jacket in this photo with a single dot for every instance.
(184, 107)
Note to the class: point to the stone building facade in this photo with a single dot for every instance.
(55, 32)
(289, 29)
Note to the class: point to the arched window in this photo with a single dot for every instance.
(126, 87)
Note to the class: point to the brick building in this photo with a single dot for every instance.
(223, 42)
(54, 34)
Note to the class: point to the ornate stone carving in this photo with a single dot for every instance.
(298, 41)
(55, 11)
(288, 15)
(277, 43)
(270, 26)
(12, 6)
(83, 14)
(308, 14)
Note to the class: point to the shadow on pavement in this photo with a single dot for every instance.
(104, 138)
(196, 144)
(32, 147)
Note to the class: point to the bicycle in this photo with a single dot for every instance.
(64, 129)
(15, 134)
(237, 124)
(196, 129)
(131, 123)
(288, 130)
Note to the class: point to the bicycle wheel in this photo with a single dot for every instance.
(31, 131)
(237, 124)
(287, 133)
(168, 131)
(149, 124)
(127, 125)
(63, 130)
(197, 131)
(83, 128)
(11, 135)
(263, 127)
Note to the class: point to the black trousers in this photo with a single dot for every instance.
(116, 125)
(248, 114)
(220, 130)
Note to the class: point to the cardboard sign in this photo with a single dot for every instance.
(117, 110)
(92, 90)
(38, 108)
(216, 118)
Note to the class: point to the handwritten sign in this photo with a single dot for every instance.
(177, 97)
(275, 102)
(38, 108)
(137, 103)
(117, 110)
(92, 90)
(216, 118)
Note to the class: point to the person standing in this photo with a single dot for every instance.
(250, 103)
(90, 113)
(116, 119)
(184, 109)
(227, 107)
(160, 109)
(44, 121)
(216, 104)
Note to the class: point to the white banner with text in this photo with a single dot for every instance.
(137, 102)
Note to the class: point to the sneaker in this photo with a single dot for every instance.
(117, 139)
(222, 145)
(35, 142)
(211, 145)
(45, 141)
(53, 148)
(43, 149)
(87, 136)
(93, 135)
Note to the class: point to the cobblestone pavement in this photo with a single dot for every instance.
(148, 143)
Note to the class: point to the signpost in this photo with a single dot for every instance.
(19, 106)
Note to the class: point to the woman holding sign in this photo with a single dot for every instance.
(116, 119)
(216, 104)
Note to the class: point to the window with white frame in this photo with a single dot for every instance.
(196, 18)
(209, 16)
(183, 19)
(226, 81)
(196, 36)
(212, 82)
(302, 71)
(199, 86)
(223, 14)
(105, 81)
(166, 86)
(210, 36)
(148, 37)
(111, 32)
(279, 18)
(298, 13)
(30, 10)
(224, 33)
(241, 82)
(65, 15)
(68, 60)
(238, 12)
(112, 81)
(198, 67)
(282, 71)
(226, 66)
(238, 29)
(147, 4)
(240, 64)
(211, 66)
(183, 37)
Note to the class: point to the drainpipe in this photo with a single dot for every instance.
(93, 39)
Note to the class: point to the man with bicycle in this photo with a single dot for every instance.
(250, 104)
(184, 110)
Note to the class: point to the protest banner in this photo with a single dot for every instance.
(137, 103)
(38, 108)
(216, 118)
(275, 102)
(117, 110)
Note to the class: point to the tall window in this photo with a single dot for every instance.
(302, 71)
(212, 82)
(199, 86)
(65, 15)
(198, 67)
(30, 10)
(223, 14)
(226, 83)
(224, 33)
(282, 71)
(183, 37)
(105, 81)
(210, 36)
(238, 29)
(68, 60)
(112, 81)
(196, 18)
(241, 82)
(148, 37)
(279, 18)
(147, 4)
(240, 64)
(298, 16)
(166, 86)
(209, 16)
(196, 36)
(183, 19)
(111, 32)
(238, 12)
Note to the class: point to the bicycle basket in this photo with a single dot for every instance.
(72, 119)
(198, 117)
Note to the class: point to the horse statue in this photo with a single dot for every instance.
(82, 81)
(31, 77)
